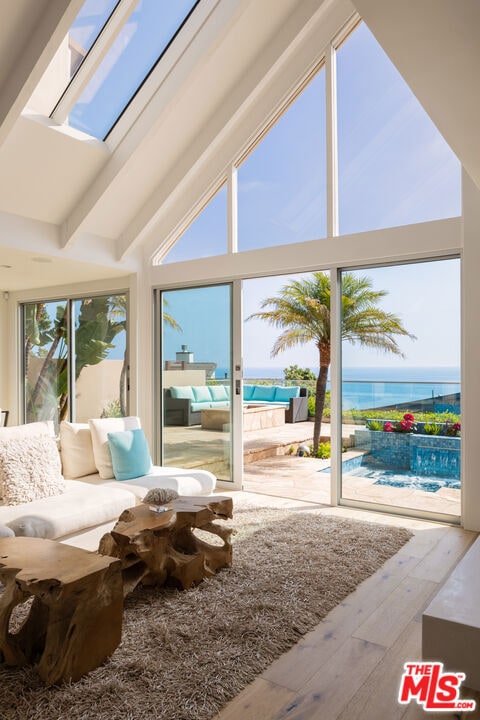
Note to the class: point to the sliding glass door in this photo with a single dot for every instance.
(196, 389)
(401, 404)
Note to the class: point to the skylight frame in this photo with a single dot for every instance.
(92, 60)
(97, 53)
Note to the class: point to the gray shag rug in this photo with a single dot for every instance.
(184, 655)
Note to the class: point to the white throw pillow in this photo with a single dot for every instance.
(34, 429)
(76, 449)
(101, 451)
(30, 469)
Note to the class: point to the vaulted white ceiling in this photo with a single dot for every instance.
(73, 197)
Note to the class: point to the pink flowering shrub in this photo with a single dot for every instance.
(406, 425)
(453, 429)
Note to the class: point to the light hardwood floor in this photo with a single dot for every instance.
(349, 667)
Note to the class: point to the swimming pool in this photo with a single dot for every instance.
(357, 467)
(405, 479)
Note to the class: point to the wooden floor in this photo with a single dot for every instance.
(349, 667)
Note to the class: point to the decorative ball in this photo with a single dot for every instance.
(159, 496)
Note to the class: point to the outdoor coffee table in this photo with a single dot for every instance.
(75, 620)
(156, 548)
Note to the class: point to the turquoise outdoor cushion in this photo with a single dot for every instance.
(283, 394)
(197, 406)
(227, 390)
(266, 393)
(182, 392)
(130, 454)
(201, 393)
(217, 392)
(248, 391)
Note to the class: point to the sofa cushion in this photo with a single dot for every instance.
(30, 469)
(217, 392)
(182, 392)
(82, 505)
(248, 391)
(130, 454)
(201, 393)
(283, 394)
(227, 391)
(101, 451)
(76, 449)
(197, 406)
(265, 393)
(184, 481)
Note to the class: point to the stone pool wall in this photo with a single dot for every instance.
(420, 454)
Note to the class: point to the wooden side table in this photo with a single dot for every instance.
(75, 619)
(156, 548)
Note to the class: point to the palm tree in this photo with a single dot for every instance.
(302, 310)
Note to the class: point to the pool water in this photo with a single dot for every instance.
(405, 479)
(395, 478)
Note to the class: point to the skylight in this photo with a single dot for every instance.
(141, 41)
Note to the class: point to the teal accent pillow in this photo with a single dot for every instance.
(201, 393)
(227, 391)
(217, 392)
(248, 391)
(264, 393)
(283, 394)
(130, 454)
(182, 392)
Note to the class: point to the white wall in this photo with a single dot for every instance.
(4, 354)
(471, 355)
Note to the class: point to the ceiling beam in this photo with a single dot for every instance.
(44, 23)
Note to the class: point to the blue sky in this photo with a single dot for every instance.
(394, 168)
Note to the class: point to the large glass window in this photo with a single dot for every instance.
(394, 167)
(282, 183)
(80, 345)
(401, 386)
(207, 235)
(143, 39)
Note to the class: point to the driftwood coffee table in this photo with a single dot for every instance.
(75, 620)
(159, 548)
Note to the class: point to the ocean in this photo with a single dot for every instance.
(370, 387)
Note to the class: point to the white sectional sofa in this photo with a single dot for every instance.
(83, 506)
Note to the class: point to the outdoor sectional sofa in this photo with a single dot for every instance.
(183, 404)
(76, 498)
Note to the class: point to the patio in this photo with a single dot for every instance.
(270, 469)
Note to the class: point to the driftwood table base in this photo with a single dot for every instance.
(75, 620)
(159, 548)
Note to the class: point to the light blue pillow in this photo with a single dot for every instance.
(182, 392)
(248, 391)
(263, 393)
(218, 392)
(201, 393)
(130, 454)
(283, 394)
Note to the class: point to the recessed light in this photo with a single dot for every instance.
(42, 259)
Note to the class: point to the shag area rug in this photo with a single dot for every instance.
(184, 655)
